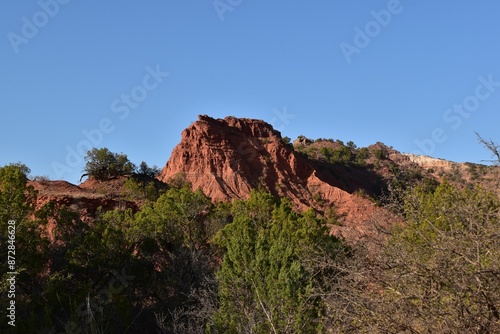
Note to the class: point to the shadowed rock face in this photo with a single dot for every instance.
(226, 158)
(84, 199)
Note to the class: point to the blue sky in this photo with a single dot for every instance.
(416, 75)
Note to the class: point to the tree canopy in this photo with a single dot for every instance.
(104, 164)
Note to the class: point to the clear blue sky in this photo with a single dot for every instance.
(365, 71)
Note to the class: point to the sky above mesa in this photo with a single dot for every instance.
(420, 76)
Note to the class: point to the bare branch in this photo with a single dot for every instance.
(490, 145)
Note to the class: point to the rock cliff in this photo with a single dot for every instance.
(227, 158)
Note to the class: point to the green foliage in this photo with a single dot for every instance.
(473, 170)
(21, 238)
(219, 217)
(379, 154)
(171, 238)
(137, 188)
(163, 249)
(264, 140)
(103, 164)
(431, 214)
(147, 171)
(318, 199)
(106, 240)
(436, 273)
(347, 154)
(179, 180)
(443, 262)
(16, 200)
(17, 203)
(179, 214)
(331, 216)
(351, 145)
(264, 283)
(362, 154)
(342, 155)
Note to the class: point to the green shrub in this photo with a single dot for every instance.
(103, 164)
(145, 170)
(380, 154)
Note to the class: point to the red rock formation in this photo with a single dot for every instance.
(226, 158)
(84, 199)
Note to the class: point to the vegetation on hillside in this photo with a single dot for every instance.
(437, 273)
(182, 264)
(103, 164)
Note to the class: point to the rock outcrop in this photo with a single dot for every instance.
(227, 158)
(84, 199)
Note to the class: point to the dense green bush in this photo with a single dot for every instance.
(380, 154)
(340, 155)
(104, 164)
(266, 284)
(145, 170)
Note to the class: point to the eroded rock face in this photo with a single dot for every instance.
(84, 199)
(226, 158)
